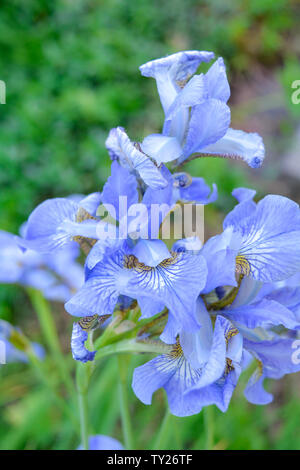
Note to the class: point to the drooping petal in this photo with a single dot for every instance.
(275, 360)
(208, 124)
(43, 228)
(120, 147)
(176, 282)
(264, 314)
(79, 351)
(237, 144)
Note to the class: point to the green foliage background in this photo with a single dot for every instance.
(71, 71)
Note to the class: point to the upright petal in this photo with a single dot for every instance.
(169, 72)
(208, 124)
(216, 81)
(120, 147)
(121, 183)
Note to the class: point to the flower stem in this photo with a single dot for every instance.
(164, 432)
(124, 403)
(208, 427)
(83, 414)
(49, 331)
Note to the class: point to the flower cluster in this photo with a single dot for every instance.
(206, 310)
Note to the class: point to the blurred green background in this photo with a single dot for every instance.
(71, 72)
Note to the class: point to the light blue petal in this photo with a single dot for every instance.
(276, 356)
(238, 144)
(101, 442)
(170, 71)
(149, 307)
(177, 118)
(151, 252)
(79, 351)
(151, 376)
(208, 124)
(271, 239)
(263, 314)
(199, 192)
(255, 392)
(100, 292)
(120, 184)
(243, 194)
(215, 365)
(120, 147)
(216, 81)
(220, 253)
(102, 248)
(190, 244)
(161, 148)
(197, 345)
(43, 230)
(176, 282)
(91, 203)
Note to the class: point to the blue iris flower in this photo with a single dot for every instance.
(200, 369)
(268, 236)
(197, 117)
(57, 276)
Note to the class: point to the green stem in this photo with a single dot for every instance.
(49, 331)
(124, 402)
(83, 414)
(209, 427)
(164, 432)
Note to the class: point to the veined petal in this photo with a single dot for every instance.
(208, 124)
(176, 282)
(237, 144)
(43, 230)
(270, 246)
(216, 81)
(161, 148)
(120, 147)
(264, 314)
(79, 351)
